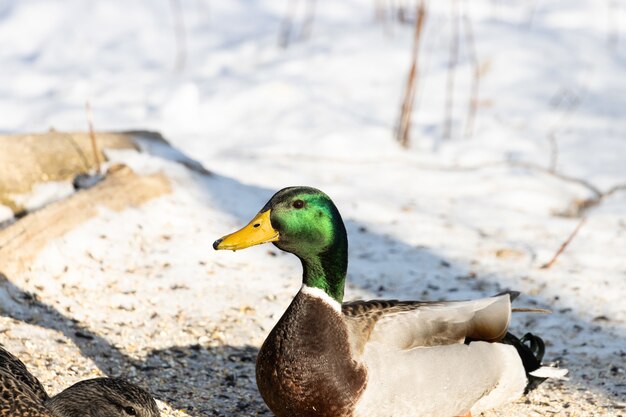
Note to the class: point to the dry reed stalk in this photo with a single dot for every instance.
(92, 136)
(452, 64)
(404, 123)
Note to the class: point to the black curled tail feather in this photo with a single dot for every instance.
(530, 348)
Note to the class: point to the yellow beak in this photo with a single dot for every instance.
(258, 231)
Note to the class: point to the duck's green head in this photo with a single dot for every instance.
(303, 221)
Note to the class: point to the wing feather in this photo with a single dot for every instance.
(409, 324)
(18, 400)
(11, 366)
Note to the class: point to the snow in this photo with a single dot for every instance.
(44, 193)
(447, 219)
(6, 213)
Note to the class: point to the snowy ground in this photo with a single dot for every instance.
(141, 293)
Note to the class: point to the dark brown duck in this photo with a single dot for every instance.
(22, 395)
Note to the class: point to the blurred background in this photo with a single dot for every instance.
(472, 146)
(519, 77)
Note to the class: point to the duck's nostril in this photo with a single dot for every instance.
(256, 225)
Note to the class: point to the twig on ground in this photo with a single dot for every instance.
(564, 245)
(179, 32)
(527, 165)
(452, 64)
(92, 135)
(404, 122)
(579, 207)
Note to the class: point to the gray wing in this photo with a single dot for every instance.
(11, 366)
(409, 324)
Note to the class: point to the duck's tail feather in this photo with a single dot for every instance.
(531, 310)
(512, 294)
(531, 349)
(550, 372)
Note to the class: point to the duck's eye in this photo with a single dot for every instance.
(298, 204)
(130, 411)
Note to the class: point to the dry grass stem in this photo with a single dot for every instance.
(92, 136)
(404, 123)
(564, 245)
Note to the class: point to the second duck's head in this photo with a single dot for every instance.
(103, 397)
(300, 220)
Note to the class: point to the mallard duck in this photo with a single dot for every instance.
(327, 358)
(22, 395)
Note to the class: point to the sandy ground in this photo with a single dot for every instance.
(141, 294)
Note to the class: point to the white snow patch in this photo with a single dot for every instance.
(5, 213)
(44, 193)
